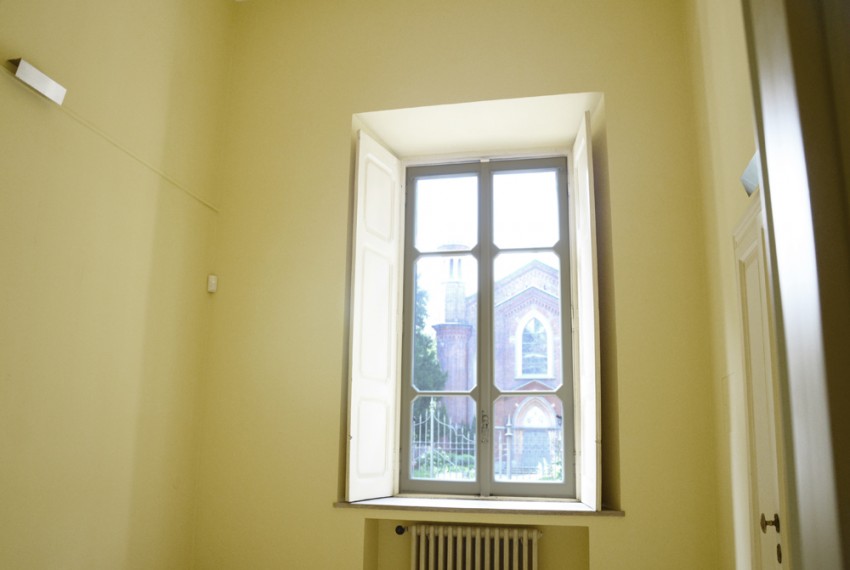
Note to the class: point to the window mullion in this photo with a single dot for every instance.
(485, 327)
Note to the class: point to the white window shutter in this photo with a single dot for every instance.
(375, 323)
(586, 311)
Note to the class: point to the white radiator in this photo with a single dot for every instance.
(442, 547)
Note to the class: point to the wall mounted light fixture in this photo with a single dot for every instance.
(38, 81)
(750, 177)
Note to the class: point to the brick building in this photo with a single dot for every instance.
(527, 340)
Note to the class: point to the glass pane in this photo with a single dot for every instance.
(446, 213)
(525, 209)
(445, 322)
(443, 438)
(527, 321)
(528, 439)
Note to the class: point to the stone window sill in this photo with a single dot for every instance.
(480, 505)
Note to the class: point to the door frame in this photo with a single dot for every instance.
(801, 91)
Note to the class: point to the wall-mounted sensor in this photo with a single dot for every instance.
(38, 81)
(212, 283)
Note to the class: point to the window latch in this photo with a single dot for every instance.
(485, 427)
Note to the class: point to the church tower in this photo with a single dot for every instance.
(454, 338)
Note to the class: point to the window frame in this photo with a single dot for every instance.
(485, 392)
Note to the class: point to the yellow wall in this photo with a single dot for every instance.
(103, 309)
(727, 141)
(271, 465)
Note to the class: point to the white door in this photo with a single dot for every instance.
(766, 516)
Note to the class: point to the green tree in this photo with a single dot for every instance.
(427, 374)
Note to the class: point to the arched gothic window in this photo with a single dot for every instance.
(535, 348)
(535, 412)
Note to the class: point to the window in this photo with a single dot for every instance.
(535, 358)
(487, 255)
(488, 386)
(534, 349)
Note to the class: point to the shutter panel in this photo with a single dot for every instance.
(375, 323)
(586, 311)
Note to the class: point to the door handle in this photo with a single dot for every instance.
(766, 523)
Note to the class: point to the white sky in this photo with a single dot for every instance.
(446, 212)
(525, 209)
